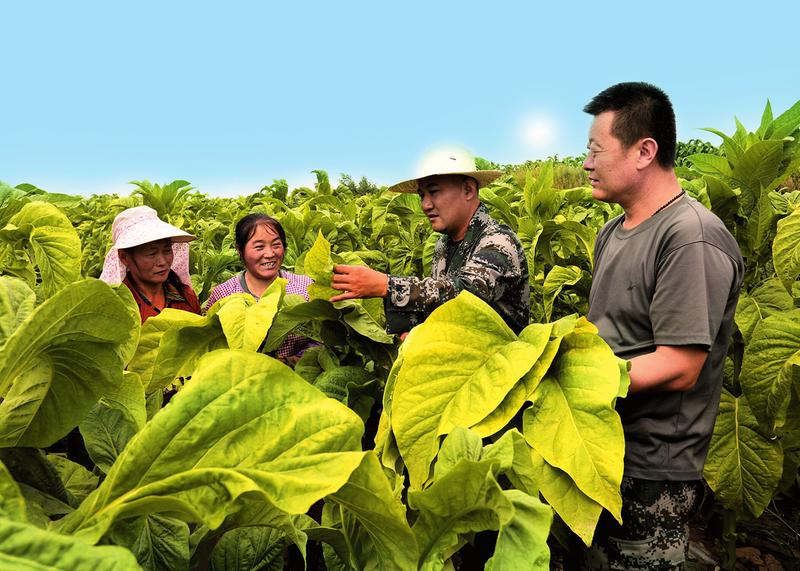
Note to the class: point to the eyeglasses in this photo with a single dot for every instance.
(592, 153)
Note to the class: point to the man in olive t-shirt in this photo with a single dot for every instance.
(666, 281)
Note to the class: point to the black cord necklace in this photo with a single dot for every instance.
(670, 201)
(150, 303)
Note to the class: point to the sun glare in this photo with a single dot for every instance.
(538, 131)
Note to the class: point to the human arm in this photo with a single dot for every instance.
(357, 282)
(668, 368)
(492, 269)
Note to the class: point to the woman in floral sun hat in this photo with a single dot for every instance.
(151, 258)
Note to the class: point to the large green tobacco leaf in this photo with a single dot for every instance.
(786, 249)
(171, 343)
(785, 123)
(765, 300)
(255, 548)
(296, 529)
(573, 423)
(246, 322)
(457, 368)
(529, 472)
(711, 165)
(364, 316)
(499, 207)
(723, 199)
(143, 362)
(353, 386)
(12, 503)
(335, 549)
(522, 541)
(770, 366)
(17, 301)
(318, 266)
(296, 312)
(760, 223)
(538, 195)
(54, 244)
(106, 431)
(385, 441)
(460, 444)
(246, 428)
(468, 499)
(555, 232)
(580, 512)
(78, 481)
(60, 361)
(24, 547)
(12, 199)
(42, 507)
(128, 397)
(555, 281)
(759, 165)
(790, 444)
(743, 466)
(31, 468)
(126, 296)
(367, 318)
(158, 542)
(374, 521)
(545, 339)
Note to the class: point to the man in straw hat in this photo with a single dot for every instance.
(476, 253)
(151, 258)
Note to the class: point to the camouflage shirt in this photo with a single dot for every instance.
(489, 262)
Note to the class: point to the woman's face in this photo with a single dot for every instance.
(149, 263)
(263, 254)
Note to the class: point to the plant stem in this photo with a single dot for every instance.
(729, 540)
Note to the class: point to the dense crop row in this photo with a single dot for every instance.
(402, 453)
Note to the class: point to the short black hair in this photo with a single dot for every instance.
(642, 110)
(246, 227)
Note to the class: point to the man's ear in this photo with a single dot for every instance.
(648, 148)
(470, 186)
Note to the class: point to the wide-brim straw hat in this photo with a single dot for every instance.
(447, 161)
(141, 225)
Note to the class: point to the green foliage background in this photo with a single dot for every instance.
(401, 453)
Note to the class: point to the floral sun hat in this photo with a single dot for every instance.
(140, 225)
(447, 161)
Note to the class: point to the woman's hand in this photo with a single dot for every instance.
(358, 282)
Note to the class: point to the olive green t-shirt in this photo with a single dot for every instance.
(672, 280)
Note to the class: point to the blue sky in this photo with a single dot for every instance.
(231, 96)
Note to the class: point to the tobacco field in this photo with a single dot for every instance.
(183, 444)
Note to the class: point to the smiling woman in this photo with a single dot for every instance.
(151, 258)
(261, 244)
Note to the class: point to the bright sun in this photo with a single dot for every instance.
(538, 131)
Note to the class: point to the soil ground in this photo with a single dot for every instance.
(770, 543)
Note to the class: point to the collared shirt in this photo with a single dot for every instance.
(295, 283)
(184, 299)
(489, 262)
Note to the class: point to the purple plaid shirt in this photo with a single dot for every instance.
(297, 284)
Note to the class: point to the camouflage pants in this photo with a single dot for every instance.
(655, 530)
